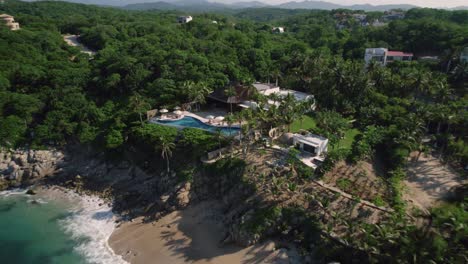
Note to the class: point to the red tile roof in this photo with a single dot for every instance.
(398, 53)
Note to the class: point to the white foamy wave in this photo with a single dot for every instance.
(12, 192)
(92, 225)
(39, 201)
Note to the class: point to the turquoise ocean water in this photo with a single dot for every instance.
(35, 229)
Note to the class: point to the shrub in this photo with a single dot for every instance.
(378, 201)
(396, 176)
(262, 219)
(153, 134)
(343, 184)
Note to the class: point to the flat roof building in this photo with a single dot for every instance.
(267, 89)
(311, 143)
(184, 19)
(384, 56)
(9, 21)
(278, 30)
(464, 55)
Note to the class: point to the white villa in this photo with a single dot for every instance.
(383, 56)
(184, 19)
(377, 23)
(278, 30)
(269, 89)
(464, 55)
(310, 143)
(9, 21)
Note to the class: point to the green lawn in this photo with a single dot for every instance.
(307, 123)
(348, 139)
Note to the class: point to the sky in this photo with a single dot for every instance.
(422, 3)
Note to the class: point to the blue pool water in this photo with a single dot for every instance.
(193, 122)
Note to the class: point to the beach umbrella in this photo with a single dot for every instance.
(220, 118)
(210, 117)
(177, 108)
(163, 111)
(177, 112)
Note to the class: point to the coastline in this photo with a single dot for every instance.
(88, 220)
(192, 235)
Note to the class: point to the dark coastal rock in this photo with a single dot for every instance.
(24, 167)
(31, 192)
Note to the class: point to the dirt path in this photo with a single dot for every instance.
(72, 40)
(429, 181)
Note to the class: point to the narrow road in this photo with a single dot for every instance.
(72, 40)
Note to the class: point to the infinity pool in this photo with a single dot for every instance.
(193, 122)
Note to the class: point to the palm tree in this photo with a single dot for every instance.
(218, 135)
(166, 151)
(229, 120)
(197, 92)
(460, 75)
(230, 93)
(239, 118)
(276, 74)
(288, 109)
(139, 105)
(302, 108)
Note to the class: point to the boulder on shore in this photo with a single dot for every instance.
(30, 192)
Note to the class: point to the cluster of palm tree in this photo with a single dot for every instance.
(350, 88)
(197, 92)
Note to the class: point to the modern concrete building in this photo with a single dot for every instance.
(278, 30)
(269, 89)
(384, 56)
(184, 19)
(464, 55)
(310, 143)
(9, 21)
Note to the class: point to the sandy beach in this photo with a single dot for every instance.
(193, 235)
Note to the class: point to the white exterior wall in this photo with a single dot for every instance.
(278, 29)
(464, 55)
(319, 143)
(184, 19)
(10, 22)
(270, 91)
(373, 53)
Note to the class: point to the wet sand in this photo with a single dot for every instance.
(193, 235)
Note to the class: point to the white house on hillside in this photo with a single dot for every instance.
(384, 56)
(184, 19)
(310, 143)
(269, 89)
(278, 30)
(9, 21)
(464, 55)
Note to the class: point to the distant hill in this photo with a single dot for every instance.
(199, 5)
(150, 6)
(193, 5)
(330, 6)
(205, 5)
(253, 4)
(460, 8)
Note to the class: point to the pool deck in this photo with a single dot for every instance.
(202, 119)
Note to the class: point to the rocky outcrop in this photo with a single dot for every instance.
(21, 167)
